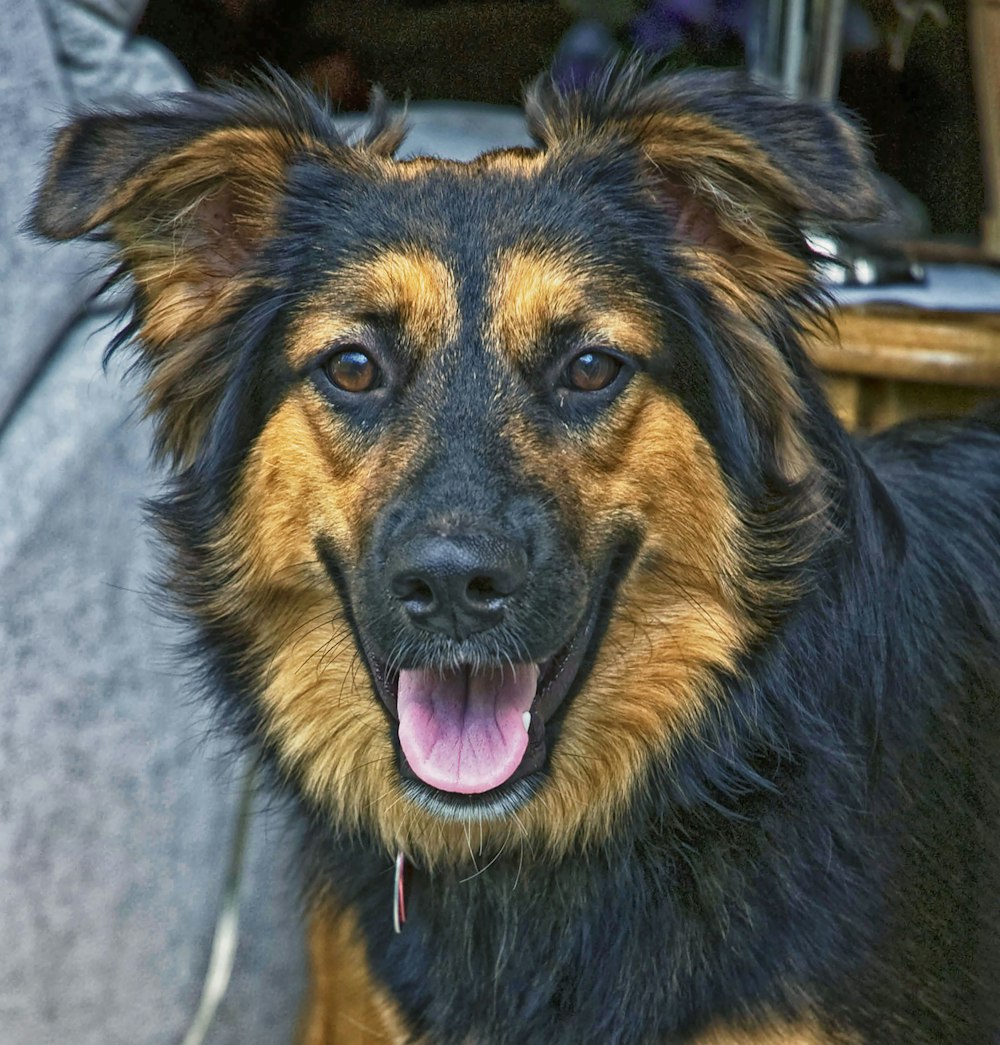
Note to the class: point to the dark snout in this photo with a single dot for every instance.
(468, 570)
(457, 584)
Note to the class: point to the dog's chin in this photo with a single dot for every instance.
(474, 741)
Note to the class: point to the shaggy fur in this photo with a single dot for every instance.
(545, 420)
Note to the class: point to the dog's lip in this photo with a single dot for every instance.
(556, 673)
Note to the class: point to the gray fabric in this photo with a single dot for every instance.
(41, 288)
(461, 130)
(55, 57)
(116, 806)
(98, 56)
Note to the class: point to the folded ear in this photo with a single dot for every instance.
(739, 171)
(188, 191)
(739, 167)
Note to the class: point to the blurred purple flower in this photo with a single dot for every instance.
(588, 47)
(584, 52)
(666, 24)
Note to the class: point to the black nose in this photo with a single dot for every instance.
(457, 584)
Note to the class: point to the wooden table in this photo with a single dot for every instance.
(984, 42)
(892, 363)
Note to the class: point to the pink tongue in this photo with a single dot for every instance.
(463, 731)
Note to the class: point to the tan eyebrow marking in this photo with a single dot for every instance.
(414, 285)
(534, 289)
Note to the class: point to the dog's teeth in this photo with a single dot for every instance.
(526, 719)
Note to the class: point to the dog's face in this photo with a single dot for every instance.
(471, 446)
(463, 508)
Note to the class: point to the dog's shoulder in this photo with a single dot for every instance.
(943, 470)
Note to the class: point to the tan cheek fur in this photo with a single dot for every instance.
(316, 698)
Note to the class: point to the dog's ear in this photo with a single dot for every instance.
(740, 168)
(740, 171)
(188, 190)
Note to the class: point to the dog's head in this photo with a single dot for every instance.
(483, 473)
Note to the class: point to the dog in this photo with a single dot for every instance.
(627, 698)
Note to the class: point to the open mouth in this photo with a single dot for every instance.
(469, 730)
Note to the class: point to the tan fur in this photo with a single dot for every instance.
(729, 199)
(777, 401)
(728, 172)
(344, 1004)
(737, 260)
(188, 224)
(414, 286)
(219, 193)
(725, 186)
(532, 291)
(517, 161)
(775, 1032)
(676, 617)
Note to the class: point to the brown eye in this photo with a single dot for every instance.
(352, 370)
(591, 371)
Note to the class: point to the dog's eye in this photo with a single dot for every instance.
(591, 371)
(352, 370)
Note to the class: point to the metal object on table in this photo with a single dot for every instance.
(846, 261)
(797, 47)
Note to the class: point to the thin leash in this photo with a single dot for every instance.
(226, 935)
(399, 893)
(222, 956)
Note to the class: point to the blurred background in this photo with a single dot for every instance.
(906, 65)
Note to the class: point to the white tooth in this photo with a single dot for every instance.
(526, 719)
